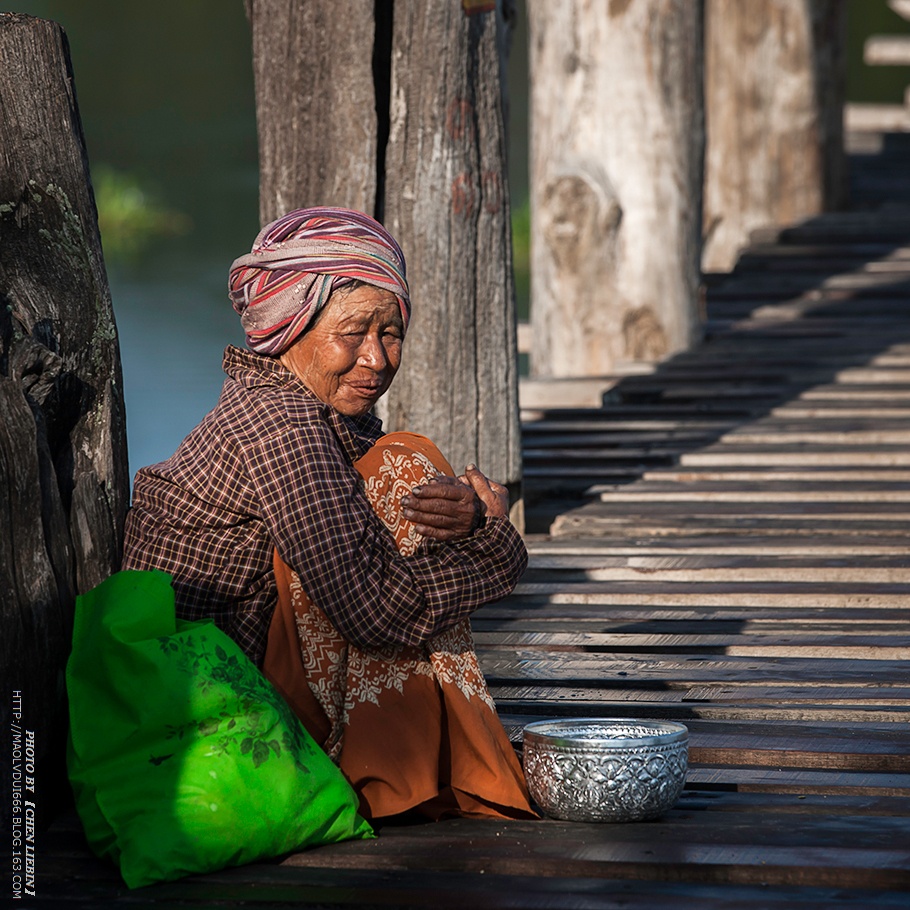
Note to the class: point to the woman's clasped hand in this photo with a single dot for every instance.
(446, 508)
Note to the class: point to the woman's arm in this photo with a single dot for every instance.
(325, 529)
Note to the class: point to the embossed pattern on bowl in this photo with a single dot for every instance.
(605, 769)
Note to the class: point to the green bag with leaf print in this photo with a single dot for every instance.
(182, 756)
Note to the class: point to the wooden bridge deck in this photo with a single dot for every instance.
(735, 557)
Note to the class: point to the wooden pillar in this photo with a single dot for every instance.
(616, 176)
(775, 93)
(398, 111)
(64, 485)
(315, 104)
(447, 199)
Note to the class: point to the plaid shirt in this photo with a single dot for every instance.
(270, 467)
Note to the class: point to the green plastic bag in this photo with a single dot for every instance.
(182, 756)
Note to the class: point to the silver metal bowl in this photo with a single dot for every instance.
(605, 769)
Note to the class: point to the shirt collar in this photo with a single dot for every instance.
(356, 434)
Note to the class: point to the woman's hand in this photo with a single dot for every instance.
(493, 495)
(449, 508)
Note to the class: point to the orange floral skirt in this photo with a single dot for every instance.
(412, 728)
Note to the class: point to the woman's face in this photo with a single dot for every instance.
(351, 354)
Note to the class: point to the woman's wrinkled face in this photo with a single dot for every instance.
(351, 354)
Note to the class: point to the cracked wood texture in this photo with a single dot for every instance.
(64, 485)
(616, 175)
(315, 104)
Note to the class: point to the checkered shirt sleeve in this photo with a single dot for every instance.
(272, 467)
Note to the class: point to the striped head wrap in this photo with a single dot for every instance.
(297, 261)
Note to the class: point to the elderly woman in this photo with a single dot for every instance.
(344, 562)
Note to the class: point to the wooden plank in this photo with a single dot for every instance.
(741, 571)
(848, 544)
(744, 697)
(887, 50)
(801, 781)
(279, 887)
(705, 621)
(816, 436)
(650, 670)
(546, 556)
(571, 567)
(881, 411)
(892, 642)
(583, 703)
(566, 444)
(669, 622)
(531, 430)
(819, 695)
(877, 510)
(846, 339)
(709, 594)
(851, 647)
(752, 456)
(823, 311)
(821, 260)
(840, 253)
(776, 474)
(780, 805)
(552, 392)
(589, 522)
(624, 455)
(573, 525)
(828, 423)
(732, 848)
(774, 703)
(796, 281)
(869, 121)
(769, 491)
(479, 863)
(855, 392)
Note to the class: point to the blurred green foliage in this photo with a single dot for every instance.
(129, 216)
(521, 257)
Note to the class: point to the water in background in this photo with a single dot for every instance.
(165, 91)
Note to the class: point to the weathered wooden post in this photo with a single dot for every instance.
(64, 486)
(401, 115)
(447, 194)
(774, 93)
(616, 176)
(316, 109)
